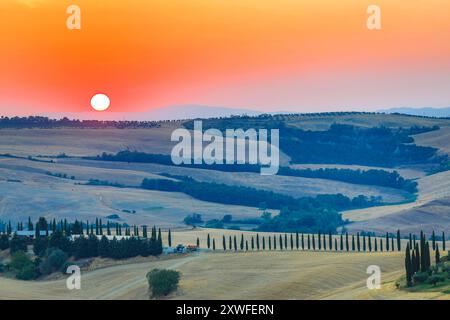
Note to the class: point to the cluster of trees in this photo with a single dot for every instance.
(346, 144)
(341, 143)
(366, 177)
(360, 242)
(418, 265)
(47, 123)
(53, 245)
(306, 213)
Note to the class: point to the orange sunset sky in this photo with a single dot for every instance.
(269, 55)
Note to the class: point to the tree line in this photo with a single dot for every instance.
(344, 242)
(89, 239)
(376, 177)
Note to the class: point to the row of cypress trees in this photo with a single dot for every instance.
(313, 242)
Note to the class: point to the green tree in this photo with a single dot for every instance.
(437, 255)
(214, 244)
(198, 242)
(224, 243)
(257, 241)
(162, 282)
(4, 241)
(387, 241)
(241, 245)
(169, 239)
(443, 240)
(399, 241)
(208, 241)
(235, 243)
(433, 240)
(408, 267)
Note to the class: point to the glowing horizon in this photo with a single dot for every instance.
(266, 55)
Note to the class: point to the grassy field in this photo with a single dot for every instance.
(429, 212)
(255, 275)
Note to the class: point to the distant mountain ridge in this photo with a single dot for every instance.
(427, 112)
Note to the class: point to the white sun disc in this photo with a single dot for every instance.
(100, 102)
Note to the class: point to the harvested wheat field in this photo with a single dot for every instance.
(251, 275)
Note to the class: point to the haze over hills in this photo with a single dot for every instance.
(167, 113)
(427, 111)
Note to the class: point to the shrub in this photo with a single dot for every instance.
(434, 279)
(162, 282)
(23, 266)
(17, 244)
(53, 261)
(4, 242)
(420, 277)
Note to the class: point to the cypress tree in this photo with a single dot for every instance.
(235, 243)
(417, 262)
(108, 229)
(309, 243)
(31, 227)
(257, 241)
(263, 243)
(169, 239)
(428, 256)
(346, 241)
(443, 241)
(242, 242)
(224, 243)
(274, 242)
(358, 242)
(433, 240)
(319, 238)
(230, 243)
(198, 242)
(285, 241)
(303, 242)
(330, 241)
(335, 244)
(324, 242)
(413, 262)
(208, 241)
(437, 255)
(408, 267)
(423, 263)
(381, 244)
(101, 227)
(214, 244)
(144, 232)
(292, 242)
(253, 244)
(97, 230)
(313, 243)
(270, 243)
(353, 242)
(246, 245)
(414, 240)
(387, 241)
(369, 241)
(297, 241)
(376, 244)
(410, 241)
(364, 243)
(281, 243)
(342, 243)
(399, 242)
